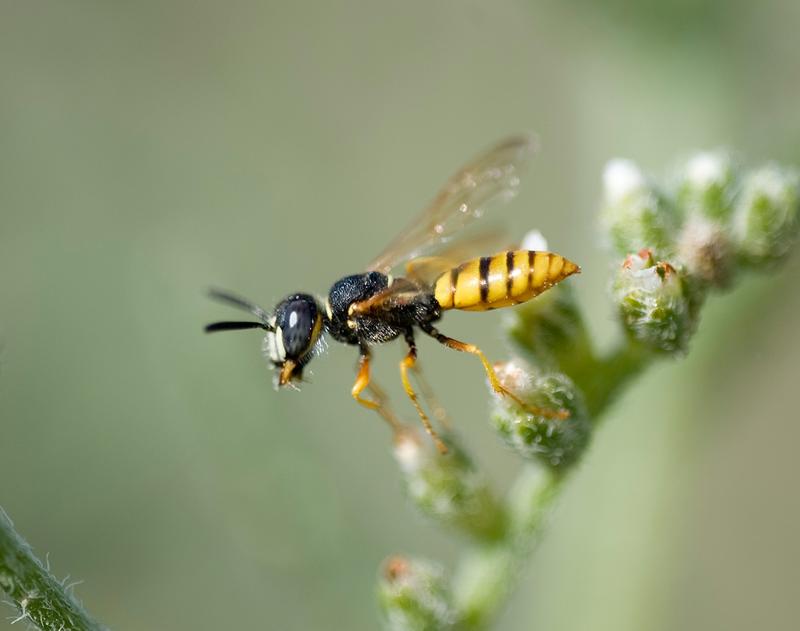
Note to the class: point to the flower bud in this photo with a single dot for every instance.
(635, 214)
(447, 486)
(414, 596)
(534, 240)
(555, 441)
(766, 216)
(708, 185)
(705, 248)
(654, 303)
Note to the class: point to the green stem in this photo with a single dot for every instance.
(609, 375)
(487, 573)
(40, 599)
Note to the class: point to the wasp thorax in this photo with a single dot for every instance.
(298, 323)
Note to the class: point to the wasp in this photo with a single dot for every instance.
(374, 307)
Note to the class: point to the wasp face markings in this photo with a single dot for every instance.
(298, 324)
(293, 331)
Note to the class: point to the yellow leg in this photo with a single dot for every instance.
(408, 362)
(362, 381)
(492, 375)
(379, 393)
(380, 405)
(384, 409)
(430, 398)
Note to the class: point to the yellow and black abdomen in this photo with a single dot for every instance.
(501, 280)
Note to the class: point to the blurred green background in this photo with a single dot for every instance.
(150, 150)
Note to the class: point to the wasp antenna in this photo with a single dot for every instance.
(241, 303)
(235, 326)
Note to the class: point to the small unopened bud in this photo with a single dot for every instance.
(766, 217)
(447, 487)
(554, 441)
(622, 179)
(534, 240)
(708, 185)
(704, 247)
(654, 303)
(635, 215)
(414, 595)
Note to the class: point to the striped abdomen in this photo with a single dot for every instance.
(501, 280)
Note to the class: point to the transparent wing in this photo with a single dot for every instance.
(492, 177)
(424, 270)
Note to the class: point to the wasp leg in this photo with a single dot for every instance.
(430, 397)
(409, 361)
(363, 382)
(491, 374)
(384, 409)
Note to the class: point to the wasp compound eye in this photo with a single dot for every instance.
(297, 326)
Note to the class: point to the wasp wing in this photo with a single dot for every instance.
(424, 270)
(491, 177)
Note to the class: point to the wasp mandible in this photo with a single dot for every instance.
(374, 307)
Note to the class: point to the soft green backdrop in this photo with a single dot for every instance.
(151, 149)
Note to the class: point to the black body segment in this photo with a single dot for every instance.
(344, 293)
(483, 274)
(373, 308)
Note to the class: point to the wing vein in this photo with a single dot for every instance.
(492, 177)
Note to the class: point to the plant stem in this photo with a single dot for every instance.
(487, 573)
(611, 374)
(40, 599)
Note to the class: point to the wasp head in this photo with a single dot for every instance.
(292, 342)
(293, 332)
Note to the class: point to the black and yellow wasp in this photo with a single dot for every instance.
(374, 307)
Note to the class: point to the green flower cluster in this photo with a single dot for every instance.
(414, 596)
(655, 303)
(681, 241)
(556, 442)
(448, 488)
(550, 334)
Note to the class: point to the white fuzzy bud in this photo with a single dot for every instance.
(534, 240)
(622, 179)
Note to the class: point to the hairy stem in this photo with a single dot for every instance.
(41, 600)
(487, 573)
